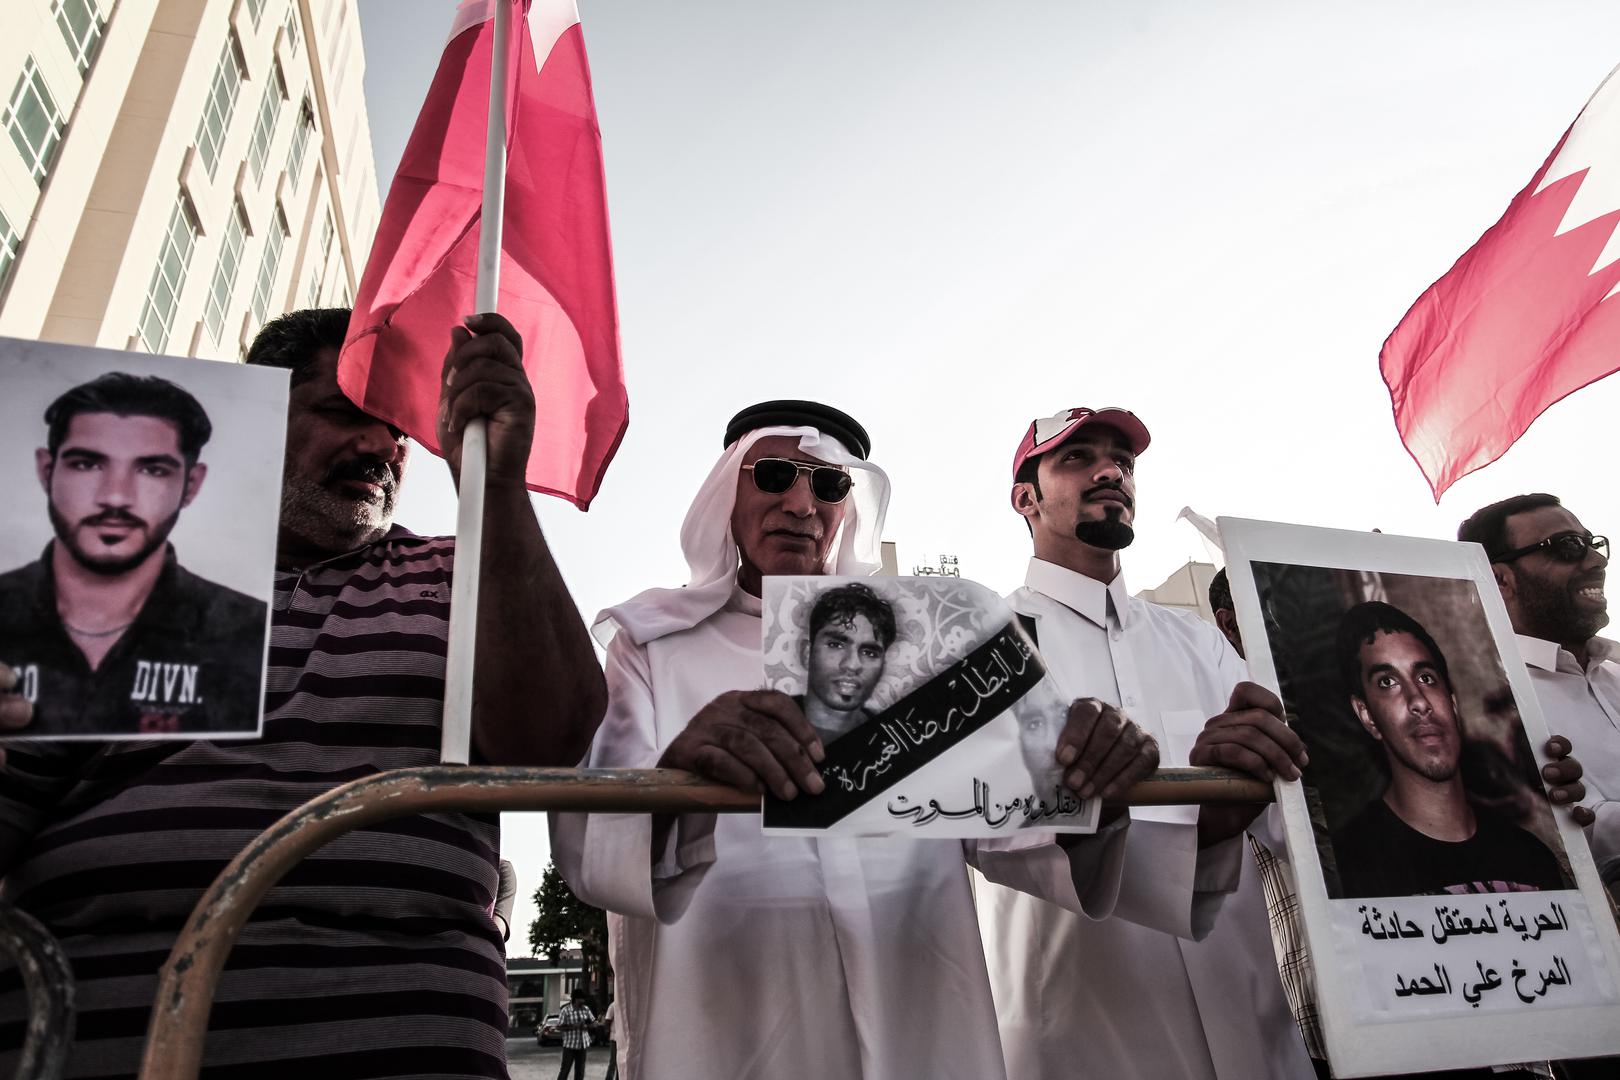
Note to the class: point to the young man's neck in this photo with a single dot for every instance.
(1096, 563)
(99, 602)
(1436, 808)
(829, 721)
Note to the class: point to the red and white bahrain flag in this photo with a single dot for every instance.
(556, 279)
(1527, 316)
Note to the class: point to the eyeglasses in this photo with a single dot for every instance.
(1569, 547)
(774, 475)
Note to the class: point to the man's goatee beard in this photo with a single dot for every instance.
(1110, 534)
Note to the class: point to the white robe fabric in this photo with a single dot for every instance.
(1136, 997)
(743, 957)
(1583, 705)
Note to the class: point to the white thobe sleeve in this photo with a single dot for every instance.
(609, 860)
(1079, 872)
(1169, 884)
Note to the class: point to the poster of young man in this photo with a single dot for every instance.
(1435, 881)
(936, 712)
(136, 562)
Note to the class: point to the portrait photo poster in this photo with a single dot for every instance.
(137, 559)
(936, 713)
(1454, 918)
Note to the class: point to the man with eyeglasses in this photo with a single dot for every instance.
(1550, 570)
(737, 955)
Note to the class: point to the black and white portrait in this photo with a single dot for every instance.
(934, 709)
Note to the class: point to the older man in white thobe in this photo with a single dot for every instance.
(1163, 988)
(739, 956)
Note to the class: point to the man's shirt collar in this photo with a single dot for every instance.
(1543, 654)
(1083, 595)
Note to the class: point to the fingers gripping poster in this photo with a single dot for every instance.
(936, 713)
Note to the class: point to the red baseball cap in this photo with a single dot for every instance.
(1052, 431)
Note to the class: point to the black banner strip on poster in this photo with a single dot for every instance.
(866, 761)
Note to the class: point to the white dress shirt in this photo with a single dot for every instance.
(1584, 706)
(1163, 989)
(742, 956)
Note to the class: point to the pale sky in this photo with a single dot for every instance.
(950, 218)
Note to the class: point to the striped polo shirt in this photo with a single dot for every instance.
(376, 956)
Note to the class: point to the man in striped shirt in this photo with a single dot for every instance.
(377, 956)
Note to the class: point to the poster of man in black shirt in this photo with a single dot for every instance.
(1422, 835)
(1453, 915)
(108, 633)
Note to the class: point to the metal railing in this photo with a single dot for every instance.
(187, 982)
(48, 982)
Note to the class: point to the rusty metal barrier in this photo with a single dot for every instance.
(186, 985)
(48, 982)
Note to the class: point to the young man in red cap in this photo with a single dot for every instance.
(1162, 988)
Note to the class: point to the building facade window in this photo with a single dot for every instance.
(81, 23)
(34, 121)
(9, 243)
(255, 11)
(221, 103)
(291, 27)
(264, 128)
(300, 142)
(318, 282)
(168, 278)
(224, 283)
(276, 235)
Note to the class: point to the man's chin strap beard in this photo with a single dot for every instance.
(1110, 534)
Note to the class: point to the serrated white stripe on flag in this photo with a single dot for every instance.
(1593, 144)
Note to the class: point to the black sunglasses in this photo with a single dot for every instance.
(774, 475)
(1569, 547)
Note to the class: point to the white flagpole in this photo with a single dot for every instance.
(458, 680)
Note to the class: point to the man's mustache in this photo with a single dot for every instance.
(1129, 503)
(362, 470)
(113, 516)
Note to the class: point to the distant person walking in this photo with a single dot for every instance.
(575, 1019)
(613, 1044)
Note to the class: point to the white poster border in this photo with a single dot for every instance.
(1357, 1044)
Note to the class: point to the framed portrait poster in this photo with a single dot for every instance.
(1453, 918)
(138, 557)
(935, 711)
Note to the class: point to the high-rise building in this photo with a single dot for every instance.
(175, 172)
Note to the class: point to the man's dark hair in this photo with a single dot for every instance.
(1366, 621)
(1487, 526)
(1220, 592)
(292, 341)
(842, 604)
(123, 394)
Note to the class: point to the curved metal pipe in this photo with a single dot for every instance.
(48, 982)
(186, 985)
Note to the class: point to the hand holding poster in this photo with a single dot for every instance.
(936, 712)
(136, 562)
(1435, 881)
